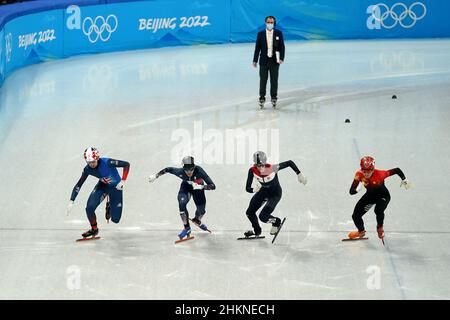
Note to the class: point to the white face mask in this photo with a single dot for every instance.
(269, 26)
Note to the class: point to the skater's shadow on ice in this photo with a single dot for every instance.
(128, 245)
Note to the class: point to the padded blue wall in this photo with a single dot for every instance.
(42, 30)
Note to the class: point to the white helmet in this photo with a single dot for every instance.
(91, 154)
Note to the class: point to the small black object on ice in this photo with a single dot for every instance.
(394, 97)
(347, 120)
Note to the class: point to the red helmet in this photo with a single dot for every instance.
(367, 163)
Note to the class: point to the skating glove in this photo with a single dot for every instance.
(69, 207)
(120, 185)
(359, 188)
(152, 178)
(302, 178)
(197, 186)
(256, 188)
(405, 183)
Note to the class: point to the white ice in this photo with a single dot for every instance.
(129, 104)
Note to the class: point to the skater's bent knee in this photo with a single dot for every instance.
(356, 216)
(264, 217)
(250, 212)
(200, 210)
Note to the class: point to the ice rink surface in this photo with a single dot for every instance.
(134, 105)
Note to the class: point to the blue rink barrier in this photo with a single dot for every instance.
(346, 19)
(43, 30)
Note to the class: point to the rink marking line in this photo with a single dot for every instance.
(207, 109)
(312, 284)
(394, 268)
(188, 113)
(357, 149)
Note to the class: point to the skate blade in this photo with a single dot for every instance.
(251, 238)
(356, 239)
(184, 239)
(279, 229)
(199, 226)
(87, 239)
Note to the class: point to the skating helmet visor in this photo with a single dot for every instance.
(188, 163)
(188, 167)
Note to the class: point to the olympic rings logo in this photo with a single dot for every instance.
(100, 28)
(390, 17)
(8, 46)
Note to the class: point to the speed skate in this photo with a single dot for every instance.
(87, 239)
(184, 239)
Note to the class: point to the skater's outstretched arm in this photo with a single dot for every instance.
(405, 183)
(398, 172)
(120, 164)
(288, 164)
(175, 171)
(171, 170)
(293, 166)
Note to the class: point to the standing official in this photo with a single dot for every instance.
(269, 48)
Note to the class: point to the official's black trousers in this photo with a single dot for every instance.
(379, 198)
(271, 69)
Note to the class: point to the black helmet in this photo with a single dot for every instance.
(259, 158)
(188, 163)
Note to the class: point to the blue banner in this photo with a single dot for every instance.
(33, 38)
(144, 25)
(350, 19)
(2, 56)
